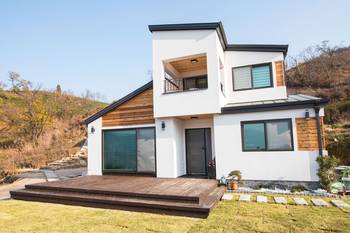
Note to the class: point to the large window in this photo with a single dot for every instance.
(129, 150)
(200, 82)
(269, 135)
(252, 77)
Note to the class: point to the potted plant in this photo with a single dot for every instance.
(235, 179)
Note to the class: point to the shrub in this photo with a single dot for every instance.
(297, 188)
(326, 171)
(332, 115)
(237, 174)
(261, 186)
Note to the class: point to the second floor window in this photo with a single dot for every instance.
(193, 83)
(252, 77)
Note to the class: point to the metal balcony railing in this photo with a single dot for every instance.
(177, 85)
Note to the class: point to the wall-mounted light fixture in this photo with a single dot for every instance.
(163, 125)
(92, 129)
(307, 114)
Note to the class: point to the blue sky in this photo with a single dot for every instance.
(105, 46)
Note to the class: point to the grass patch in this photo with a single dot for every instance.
(228, 216)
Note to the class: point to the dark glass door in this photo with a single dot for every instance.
(129, 150)
(119, 150)
(198, 151)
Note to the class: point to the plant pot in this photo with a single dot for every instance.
(346, 182)
(234, 185)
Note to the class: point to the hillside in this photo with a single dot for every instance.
(324, 71)
(38, 127)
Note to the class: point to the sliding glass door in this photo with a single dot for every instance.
(145, 150)
(129, 150)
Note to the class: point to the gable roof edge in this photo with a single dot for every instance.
(117, 103)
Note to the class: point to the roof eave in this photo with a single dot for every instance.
(218, 26)
(259, 48)
(115, 104)
(274, 106)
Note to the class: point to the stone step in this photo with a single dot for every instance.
(261, 199)
(300, 201)
(280, 200)
(340, 204)
(227, 197)
(244, 197)
(319, 202)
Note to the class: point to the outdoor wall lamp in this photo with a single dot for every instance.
(194, 61)
(163, 125)
(307, 114)
(92, 129)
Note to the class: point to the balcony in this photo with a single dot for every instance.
(185, 74)
(187, 84)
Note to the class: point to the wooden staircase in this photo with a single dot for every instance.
(198, 205)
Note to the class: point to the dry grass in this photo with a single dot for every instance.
(228, 216)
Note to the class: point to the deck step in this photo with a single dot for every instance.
(118, 202)
(150, 196)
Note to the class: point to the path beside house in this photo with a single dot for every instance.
(38, 176)
(19, 184)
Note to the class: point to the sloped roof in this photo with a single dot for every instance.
(117, 103)
(292, 102)
(222, 36)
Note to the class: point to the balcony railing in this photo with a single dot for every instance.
(188, 84)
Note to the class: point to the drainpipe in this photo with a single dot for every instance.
(319, 133)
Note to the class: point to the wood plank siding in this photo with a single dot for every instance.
(307, 134)
(138, 110)
(279, 66)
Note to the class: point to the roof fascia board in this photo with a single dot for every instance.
(117, 103)
(218, 26)
(274, 106)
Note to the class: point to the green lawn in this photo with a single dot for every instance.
(228, 216)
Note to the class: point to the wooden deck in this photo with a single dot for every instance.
(179, 196)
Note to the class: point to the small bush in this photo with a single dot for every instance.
(326, 171)
(237, 174)
(332, 115)
(297, 188)
(261, 186)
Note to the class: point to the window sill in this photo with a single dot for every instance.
(268, 150)
(252, 89)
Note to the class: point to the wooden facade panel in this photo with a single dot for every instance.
(279, 66)
(307, 134)
(138, 110)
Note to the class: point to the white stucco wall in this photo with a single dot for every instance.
(241, 58)
(95, 148)
(170, 144)
(286, 165)
(175, 44)
(169, 148)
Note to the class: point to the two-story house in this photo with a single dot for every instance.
(211, 108)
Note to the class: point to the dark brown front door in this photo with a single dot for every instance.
(198, 151)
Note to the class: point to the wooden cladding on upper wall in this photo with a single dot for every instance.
(138, 110)
(279, 66)
(307, 134)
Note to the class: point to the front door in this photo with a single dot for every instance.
(198, 151)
